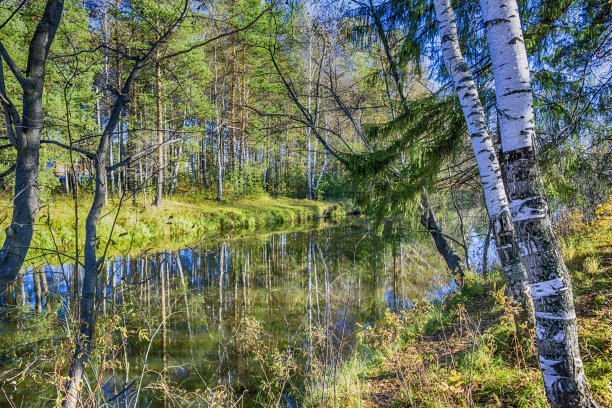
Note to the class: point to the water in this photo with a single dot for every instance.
(272, 291)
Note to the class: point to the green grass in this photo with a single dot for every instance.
(176, 223)
(464, 351)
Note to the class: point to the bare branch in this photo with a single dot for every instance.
(308, 117)
(10, 112)
(68, 147)
(7, 171)
(103, 46)
(135, 156)
(218, 37)
(13, 13)
(23, 81)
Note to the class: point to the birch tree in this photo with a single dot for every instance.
(556, 331)
(488, 165)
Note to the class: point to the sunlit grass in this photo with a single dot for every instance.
(177, 222)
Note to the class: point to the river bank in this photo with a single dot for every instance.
(135, 228)
(463, 350)
(317, 316)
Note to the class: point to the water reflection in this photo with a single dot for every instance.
(183, 309)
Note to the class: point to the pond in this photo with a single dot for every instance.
(205, 318)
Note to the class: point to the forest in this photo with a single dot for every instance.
(306, 203)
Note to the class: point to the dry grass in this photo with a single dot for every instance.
(464, 351)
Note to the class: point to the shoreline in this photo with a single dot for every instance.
(176, 222)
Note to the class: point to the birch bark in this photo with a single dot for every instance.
(488, 166)
(556, 332)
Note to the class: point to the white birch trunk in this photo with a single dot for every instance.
(488, 165)
(556, 331)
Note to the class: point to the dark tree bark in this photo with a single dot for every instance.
(91, 262)
(430, 222)
(25, 135)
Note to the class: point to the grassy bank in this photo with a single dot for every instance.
(135, 228)
(463, 351)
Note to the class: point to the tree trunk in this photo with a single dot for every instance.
(92, 265)
(323, 167)
(219, 164)
(175, 171)
(556, 331)
(203, 162)
(243, 104)
(160, 136)
(232, 119)
(429, 221)
(25, 134)
(488, 166)
(119, 158)
(309, 193)
(131, 146)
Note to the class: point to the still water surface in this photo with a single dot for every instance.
(187, 310)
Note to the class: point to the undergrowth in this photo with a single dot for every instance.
(463, 350)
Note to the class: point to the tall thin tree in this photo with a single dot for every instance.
(488, 166)
(556, 331)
